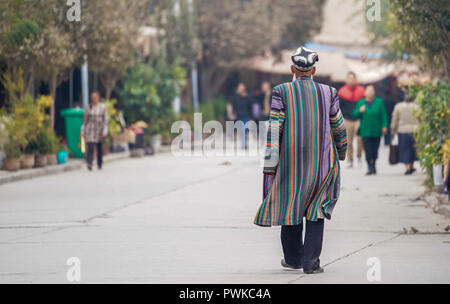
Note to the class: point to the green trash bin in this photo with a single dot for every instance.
(74, 120)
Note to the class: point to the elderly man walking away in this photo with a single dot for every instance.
(305, 141)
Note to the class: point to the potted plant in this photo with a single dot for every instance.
(115, 124)
(28, 159)
(13, 156)
(154, 137)
(15, 143)
(21, 118)
(2, 143)
(63, 153)
(53, 148)
(44, 147)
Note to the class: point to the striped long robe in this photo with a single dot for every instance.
(305, 141)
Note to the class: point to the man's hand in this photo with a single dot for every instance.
(104, 135)
(362, 109)
(385, 131)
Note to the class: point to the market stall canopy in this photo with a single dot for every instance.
(334, 64)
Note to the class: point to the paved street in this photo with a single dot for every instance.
(189, 220)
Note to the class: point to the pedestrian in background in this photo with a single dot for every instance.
(392, 95)
(403, 124)
(349, 95)
(241, 108)
(95, 129)
(257, 105)
(264, 99)
(374, 124)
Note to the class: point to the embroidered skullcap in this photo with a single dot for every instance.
(304, 59)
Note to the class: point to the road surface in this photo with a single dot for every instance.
(190, 220)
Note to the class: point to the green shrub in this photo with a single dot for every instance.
(208, 111)
(211, 110)
(25, 121)
(45, 142)
(220, 108)
(20, 118)
(434, 127)
(115, 120)
(148, 92)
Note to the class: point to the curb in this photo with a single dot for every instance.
(438, 203)
(75, 164)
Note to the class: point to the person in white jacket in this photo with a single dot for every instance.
(403, 124)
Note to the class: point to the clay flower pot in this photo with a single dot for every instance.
(52, 160)
(27, 161)
(11, 164)
(41, 161)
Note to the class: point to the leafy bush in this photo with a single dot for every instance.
(115, 117)
(211, 110)
(148, 92)
(45, 142)
(115, 121)
(26, 122)
(19, 118)
(15, 138)
(220, 108)
(434, 127)
(208, 111)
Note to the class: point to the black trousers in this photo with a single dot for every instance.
(371, 147)
(90, 153)
(298, 253)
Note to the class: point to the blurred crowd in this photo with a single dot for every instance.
(370, 115)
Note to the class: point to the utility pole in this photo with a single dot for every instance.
(84, 75)
(85, 81)
(194, 71)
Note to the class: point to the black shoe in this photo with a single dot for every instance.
(314, 271)
(286, 265)
(373, 168)
(369, 168)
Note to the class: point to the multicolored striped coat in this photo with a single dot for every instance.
(305, 141)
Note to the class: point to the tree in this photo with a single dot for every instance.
(36, 39)
(149, 90)
(108, 35)
(21, 25)
(56, 54)
(418, 28)
(220, 35)
(422, 27)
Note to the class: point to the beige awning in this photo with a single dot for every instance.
(335, 65)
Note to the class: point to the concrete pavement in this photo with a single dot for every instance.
(189, 220)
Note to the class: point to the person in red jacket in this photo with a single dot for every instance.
(349, 95)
